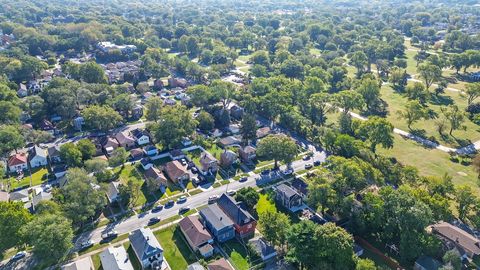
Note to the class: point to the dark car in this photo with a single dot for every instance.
(183, 210)
(194, 170)
(170, 203)
(18, 256)
(317, 163)
(182, 199)
(157, 208)
(308, 166)
(153, 220)
(109, 236)
(243, 179)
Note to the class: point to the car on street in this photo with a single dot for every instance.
(306, 157)
(194, 170)
(288, 172)
(212, 199)
(18, 256)
(110, 235)
(317, 163)
(157, 208)
(183, 210)
(170, 203)
(231, 192)
(153, 220)
(182, 199)
(86, 244)
(308, 166)
(243, 179)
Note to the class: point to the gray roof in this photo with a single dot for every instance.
(195, 266)
(54, 150)
(81, 264)
(288, 191)
(216, 217)
(428, 263)
(115, 258)
(144, 243)
(42, 196)
(261, 246)
(37, 151)
(19, 195)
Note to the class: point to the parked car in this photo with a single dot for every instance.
(317, 163)
(153, 220)
(170, 203)
(182, 199)
(288, 172)
(194, 170)
(212, 199)
(183, 210)
(18, 256)
(183, 161)
(109, 235)
(86, 244)
(231, 192)
(157, 208)
(308, 166)
(306, 157)
(243, 179)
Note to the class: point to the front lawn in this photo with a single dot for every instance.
(265, 204)
(129, 172)
(176, 250)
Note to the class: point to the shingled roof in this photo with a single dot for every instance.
(193, 230)
(458, 236)
(238, 215)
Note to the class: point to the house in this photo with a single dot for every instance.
(137, 112)
(54, 154)
(234, 128)
(20, 196)
(263, 132)
(454, 237)
(177, 82)
(47, 126)
(146, 164)
(78, 123)
(150, 150)
(40, 196)
(59, 170)
(220, 264)
(300, 187)
(248, 153)
(236, 112)
(196, 235)
(124, 140)
(136, 154)
(218, 223)
(263, 249)
(115, 258)
(17, 162)
(158, 84)
(4, 196)
(140, 136)
(195, 266)
(227, 158)
(22, 90)
(148, 250)
(426, 263)
(37, 157)
(357, 250)
(209, 163)
(109, 144)
(169, 102)
(176, 171)
(229, 141)
(113, 193)
(243, 222)
(288, 198)
(156, 175)
(176, 154)
(81, 264)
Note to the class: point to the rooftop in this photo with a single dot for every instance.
(216, 217)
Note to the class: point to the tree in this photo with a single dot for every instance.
(50, 235)
(414, 111)
(153, 109)
(200, 95)
(349, 100)
(118, 157)
(429, 73)
(319, 108)
(335, 246)
(359, 60)
(9, 113)
(455, 117)
(249, 196)
(130, 193)
(274, 227)
(176, 123)
(417, 91)
(365, 264)
(124, 104)
(302, 246)
(10, 139)
(473, 92)
(466, 200)
(292, 69)
(223, 91)
(95, 165)
(453, 258)
(70, 154)
(92, 72)
(12, 216)
(205, 121)
(370, 91)
(87, 148)
(278, 148)
(321, 195)
(377, 131)
(248, 128)
(102, 118)
(81, 197)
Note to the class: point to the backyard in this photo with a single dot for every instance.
(237, 253)
(176, 250)
(39, 175)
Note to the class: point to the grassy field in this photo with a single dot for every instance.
(39, 175)
(237, 254)
(176, 250)
(129, 173)
(265, 204)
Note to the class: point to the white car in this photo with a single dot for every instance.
(231, 192)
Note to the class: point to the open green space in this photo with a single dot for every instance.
(39, 175)
(176, 250)
(265, 203)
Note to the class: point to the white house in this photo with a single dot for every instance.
(17, 162)
(115, 258)
(140, 136)
(37, 157)
(146, 247)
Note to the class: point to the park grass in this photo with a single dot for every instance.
(265, 204)
(430, 161)
(237, 254)
(411, 63)
(176, 251)
(130, 173)
(97, 264)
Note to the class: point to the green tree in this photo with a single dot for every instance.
(455, 117)
(124, 104)
(200, 95)
(472, 92)
(377, 131)
(12, 217)
(71, 155)
(249, 196)
(87, 148)
(9, 113)
(102, 118)
(10, 139)
(321, 195)
(429, 73)
(417, 91)
(92, 72)
(50, 235)
(278, 148)
(335, 246)
(205, 121)
(248, 128)
(130, 193)
(118, 157)
(359, 60)
(153, 109)
(370, 91)
(365, 264)
(466, 201)
(413, 112)
(349, 100)
(81, 197)
(319, 108)
(292, 69)
(302, 245)
(398, 78)
(177, 123)
(274, 227)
